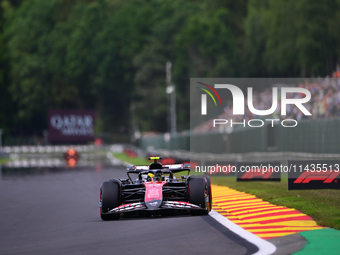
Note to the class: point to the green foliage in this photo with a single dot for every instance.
(150, 98)
(4, 93)
(291, 38)
(28, 48)
(206, 47)
(110, 55)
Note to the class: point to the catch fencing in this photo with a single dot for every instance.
(310, 136)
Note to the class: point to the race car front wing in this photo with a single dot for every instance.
(179, 205)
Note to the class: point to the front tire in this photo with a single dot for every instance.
(109, 198)
(197, 195)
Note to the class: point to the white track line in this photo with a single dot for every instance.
(265, 247)
(115, 161)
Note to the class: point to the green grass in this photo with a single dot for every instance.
(322, 205)
(134, 161)
(4, 160)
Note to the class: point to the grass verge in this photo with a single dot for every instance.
(4, 160)
(134, 161)
(322, 205)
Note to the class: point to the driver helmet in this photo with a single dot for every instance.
(150, 176)
(158, 176)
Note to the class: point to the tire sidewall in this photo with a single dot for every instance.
(109, 198)
(197, 192)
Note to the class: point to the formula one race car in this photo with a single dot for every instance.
(155, 189)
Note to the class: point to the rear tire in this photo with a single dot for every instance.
(109, 198)
(197, 195)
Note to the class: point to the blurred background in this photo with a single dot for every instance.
(109, 58)
(87, 86)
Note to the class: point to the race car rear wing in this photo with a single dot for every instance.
(173, 168)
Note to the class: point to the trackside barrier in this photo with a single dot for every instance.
(310, 136)
(116, 148)
(46, 149)
(51, 156)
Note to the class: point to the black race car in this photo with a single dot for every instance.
(155, 189)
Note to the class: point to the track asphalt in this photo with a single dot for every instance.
(55, 211)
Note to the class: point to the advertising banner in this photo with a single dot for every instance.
(74, 126)
(314, 174)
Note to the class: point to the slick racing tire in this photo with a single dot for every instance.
(109, 198)
(197, 195)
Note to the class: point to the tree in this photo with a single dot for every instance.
(255, 39)
(150, 99)
(5, 99)
(27, 38)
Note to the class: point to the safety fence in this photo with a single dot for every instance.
(107, 138)
(312, 136)
(52, 156)
(46, 149)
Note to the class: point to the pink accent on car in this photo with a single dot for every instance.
(153, 191)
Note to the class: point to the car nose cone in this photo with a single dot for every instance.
(153, 204)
